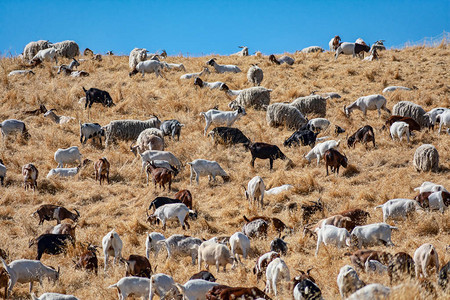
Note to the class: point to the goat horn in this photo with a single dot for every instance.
(77, 212)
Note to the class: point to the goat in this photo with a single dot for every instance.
(372, 234)
(265, 151)
(413, 125)
(371, 291)
(279, 245)
(218, 117)
(148, 66)
(255, 228)
(67, 172)
(213, 253)
(374, 266)
(151, 243)
(88, 259)
(91, 130)
(67, 156)
(336, 220)
(195, 289)
(171, 211)
(48, 212)
(152, 155)
(432, 114)
(398, 129)
(94, 95)
(262, 262)
(358, 217)
(428, 186)
(317, 124)
(171, 128)
(101, 168)
(205, 275)
(12, 126)
(112, 245)
(48, 54)
(240, 244)
(359, 257)
(305, 137)
(63, 228)
(160, 175)
(4, 280)
(319, 150)
(30, 175)
(275, 272)
(399, 265)
(306, 289)
(179, 67)
(398, 208)
(226, 292)
(255, 190)
(329, 234)
(211, 85)
(160, 201)
(350, 49)
(193, 75)
(444, 120)
(52, 244)
(371, 102)
(309, 210)
(178, 245)
(21, 72)
(348, 281)
(53, 296)
(284, 59)
(363, 135)
(334, 43)
(278, 225)
(426, 257)
(222, 68)
(226, 89)
(228, 136)
(203, 167)
(434, 200)
(136, 286)
(334, 159)
(444, 275)
(161, 285)
(185, 197)
(137, 265)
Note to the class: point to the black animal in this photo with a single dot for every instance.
(88, 260)
(94, 95)
(265, 151)
(335, 160)
(160, 201)
(278, 245)
(363, 135)
(51, 244)
(308, 290)
(360, 48)
(228, 136)
(305, 137)
(309, 210)
(171, 128)
(338, 130)
(205, 275)
(443, 276)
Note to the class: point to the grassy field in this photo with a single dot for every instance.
(375, 175)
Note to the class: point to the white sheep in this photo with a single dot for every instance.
(3, 170)
(222, 118)
(444, 120)
(425, 257)
(372, 234)
(398, 129)
(255, 191)
(70, 155)
(319, 150)
(329, 234)
(428, 186)
(318, 124)
(203, 167)
(240, 244)
(279, 189)
(161, 285)
(348, 281)
(48, 54)
(211, 85)
(53, 296)
(12, 126)
(136, 286)
(195, 289)
(151, 243)
(223, 68)
(255, 75)
(148, 66)
(136, 56)
(147, 141)
(151, 155)
(398, 208)
(20, 72)
(275, 272)
(192, 75)
(112, 245)
(172, 211)
(213, 253)
(57, 119)
(366, 103)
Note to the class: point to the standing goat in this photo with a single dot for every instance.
(398, 129)
(334, 159)
(363, 135)
(112, 245)
(2, 172)
(101, 167)
(255, 190)
(13, 126)
(351, 49)
(371, 102)
(225, 118)
(48, 212)
(30, 175)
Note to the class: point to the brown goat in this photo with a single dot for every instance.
(88, 260)
(358, 217)
(413, 125)
(63, 228)
(4, 281)
(335, 160)
(242, 293)
(214, 292)
(101, 167)
(185, 197)
(48, 212)
(363, 135)
(359, 258)
(30, 175)
(336, 42)
(277, 224)
(41, 110)
(400, 265)
(160, 175)
(137, 265)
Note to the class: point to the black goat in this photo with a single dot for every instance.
(361, 48)
(305, 137)
(94, 95)
(160, 201)
(338, 130)
(309, 210)
(363, 135)
(265, 151)
(205, 275)
(228, 136)
(51, 244)
(279, 245)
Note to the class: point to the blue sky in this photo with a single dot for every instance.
(219, 27)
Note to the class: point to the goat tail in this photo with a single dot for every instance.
(181, 289)
(393, 227)
(113, 286)
(84, 89)
(379, 206)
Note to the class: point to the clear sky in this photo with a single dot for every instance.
(216, 27)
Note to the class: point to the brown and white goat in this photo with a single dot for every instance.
(4, 281)
(413, 125)
(137, 265)
(337, 221)
(310, 209)
(160, 175)
(335, 160)
(101, 167)
(185, 197)
(63, 228)
(363, 135)
(88, 260)
(358, 217)
(359, 258)
(30, 175)
(48, 212)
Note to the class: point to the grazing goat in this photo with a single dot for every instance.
(357, 216)
(255, 228)
(147, 141)
(88, 259)
(284, 59)
(371, 291)
(265, 151)
(160, 201)
(101, 168)
(359, 257)
(309, 210)
(398, 129)
(307, 289)
(52, 244)
(334, 43)
(432, 114)
(213, 253)
(136, 286)
(348, 281)
(112, 245)
(279, 245)
(226, 89)
(195, 289)
(278, 225)
(160, 175)
(318, 124)
(148, 66)
(151, 243)
(48, 212)
(222, 68)
(178, 245)
(171, 211)
(4, 280)
(334, 159)
(171, 128)
(275, 272)
(226, 292)
(218, 117)
(193, 75)
(211, 85)
(94, 95)
(161, 285)
(319, 150)
(363, 135)
(372, 234)
(329, 234)
(279, 189)
(255, 191)
(428, 186)
(30, 175)
(371, 102)
(444, 120)
(205, 275)
(203, 167)
(426, 257)
(400, 264)
(240, 244)
(137, 265)
(434, 200)
(262, 262)
(152, 155)
(398, 208)
(350, 49)
(91, 130)
(336, 220)
(305, 137)
(374, 266)
(70, 155)
(185, 197)
(413, 125)
(228, 136)
(12, 126)
(63, 228)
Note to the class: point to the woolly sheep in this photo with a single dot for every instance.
(68, 49)
(146, 141)
(314, 104)
(128, 130)
(281, 114)
(426, 158)
(32, 48)
(409, 109)
(136, 56)
(255, 75)
(256, 97)
(312, 49)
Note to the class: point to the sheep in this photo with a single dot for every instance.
(161, 285)
(171, 211)
(432, 114)
(3, 170)
(178, 67)
(203, 167)
(222, 68)
(255, 75)
(12, 126)
(240, 244)
(136, 286)
(25, 270)
(137, 55)
(48, 54)
(398, 208)
(398, 129)
(57, 119)
(68, 49)
(53, 296)
(128, 130)
(32, 48)
(30, 175)
(228, 136)
(213, 253)
(444, 120)
(211, 85)
(279, 245)
(312, 49)
(262, 262)
(171, 128)
(256, 97)
(351, 49)
(193, 75)
(255, 190)
(54, 212)
(243, 52)
(366, 103)
(21, 72)
(371, 291)
(281, 114)
(147, 140)
(348, 281)
(112, 245)
(91, 130)
(152, 155)
(151, 243)
(284, 59)
(409, 109)
(394, 88)
(319, 150)
(148, 66)
(329, 234)
(318, 124)
(334, 43)
(179, 245)
(426, 257)
(70, 155)
(101, 168)
(275, 272)
(314, 104)
(426, 158)
(226, 89)
(334, 159)
(372, 234)
(218, 117)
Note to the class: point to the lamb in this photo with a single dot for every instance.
(57, 119)
(91, 131)
(284, 59)
(171, 211)
(101, 168)
(171, 128)
(152, 155)
(32, 48)
(240, 244)
(67, 172)
(48, 212)
(94, 95)
(255, 190)
(136, 286)
(25, 270)
(112, 245)
(398, 129)
(255, 75)
(12, 126)
(351, 49)
(179, 245)
(426, 158)
(21, 72)
(70, 155)
(313, 104)
(319, 150)
(275, 272)
(147, 141)
(318, 124)
(348, 281)
(373, 234)
(329, 234)
(213, 253)
(256, 97)
(48, 54)
(148, 66)
(203, 167)
(211, 85)
(444, 121)
(30, 175)
(53, 296)
(409, 109)
(366, 103)
(281, 114)
(218, 117)
(398, 208)
(68, 49)
(137, 55)
(161, 285)
(426, 257)
(193, 75)
(128, 130)
(178, 67)
(195, 289)
(222, 68)
(2, 172)
(334, 43)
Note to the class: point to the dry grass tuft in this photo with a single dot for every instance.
(427, 226)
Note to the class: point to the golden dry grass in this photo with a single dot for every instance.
(375, 175)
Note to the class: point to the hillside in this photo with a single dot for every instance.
(375, 175)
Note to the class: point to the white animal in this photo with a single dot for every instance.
(444, 120)
(222, 118)
(70, 155)
(146, 141)
(279, 189)
(63, 172)
(348, 281)
(148, 66)
(161, 285)
(398, 208)
(57, 119)
(181, 245)
(192, 75)
(179, 67)
(432, 114)
(262, 263)
(425, 257)
(284, 59)
(172, 211)
(223, 68)
(48, 54)
(319, 150)
(371, 102)
(211, 85)
(318, 124)
(20, 72)
(275, 272)
(203, 167)
(91, 130)
(255, 191)
(213, 253)
(112, 245)
(374, 266)
(151, 155)
(195, 289)
(372, 234)
(28, 271)
(374, 291)
(398, 129)
(329, 234)
(346, 49)
(394, 88)
(224, 87)
(436, 201)
(12, 126)
(428, 186)
(240, 244)
(136, 286)
(151, 243)
(53, 296)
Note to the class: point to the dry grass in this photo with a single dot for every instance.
(374, 175)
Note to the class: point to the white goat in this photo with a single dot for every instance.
(425, 257)
(262, 263)
(222, 118)
(21, 72)
(151, 155)
(350, 49)
(372, 234)
(255, 191)
(279, 189)
(181, 245)
(57, 119)
(284, 59)
(319, 150)
(63, 172)
(195, 289)
(224, 87)
(211, 85)
(192, 75)
(223, 68)
(213, 253)
(70, 155)
(151, 243)
(112, 245)
(398, 208)
(25, 270)
(203, 167)
(275, 272)
(373, 291)
(53, 296)
(371, 102)
(329, 234)
(444, 120)
(348, 281)
(394, 88)
(48, 54)
(136, 286)
(432, 114)
(240, 244)
(398, 129)
(436, 201)
(12, 126)
(318, 124)
(172, 211)
(179, 67)
(374, 266)
(160, 285)
(428, 186)
(148, 66)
